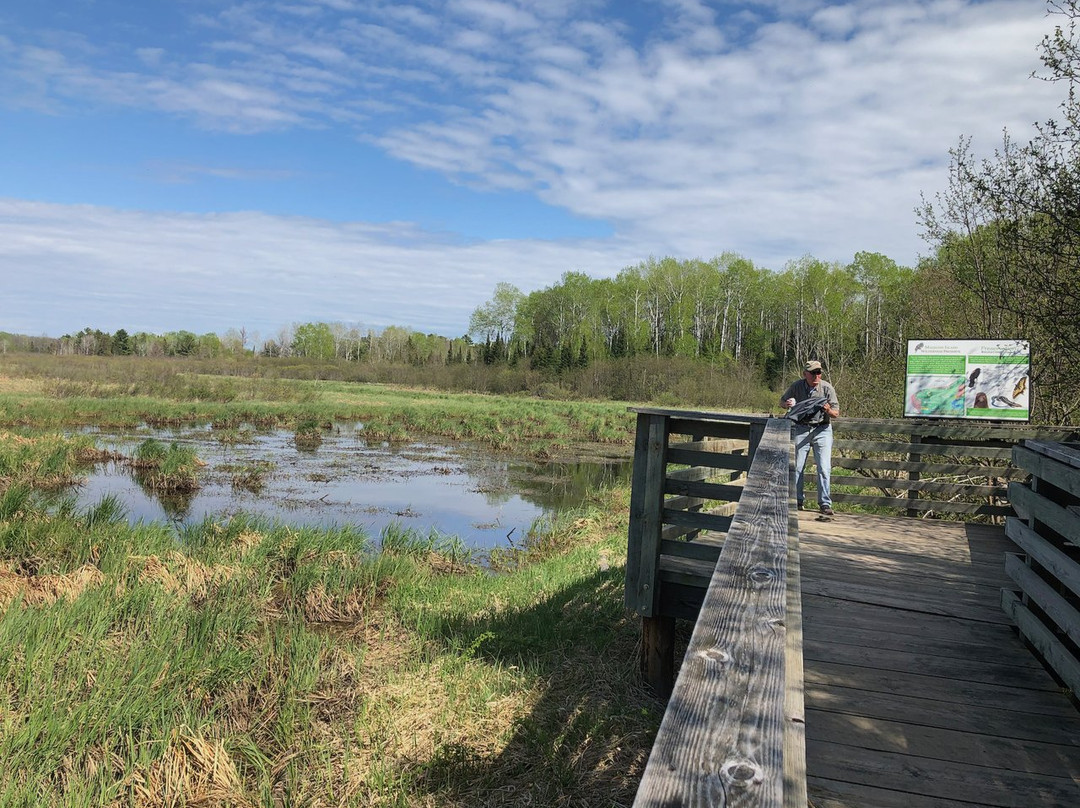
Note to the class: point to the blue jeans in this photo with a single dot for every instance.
(820, 438)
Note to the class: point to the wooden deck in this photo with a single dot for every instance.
(917, 690)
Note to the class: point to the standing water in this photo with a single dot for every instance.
(457, 490)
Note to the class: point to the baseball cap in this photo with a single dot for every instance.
(813, 364)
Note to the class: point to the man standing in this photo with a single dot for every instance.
(813, 431)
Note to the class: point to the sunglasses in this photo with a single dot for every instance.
(815, 372)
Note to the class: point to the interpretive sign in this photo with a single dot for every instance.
(968, 378)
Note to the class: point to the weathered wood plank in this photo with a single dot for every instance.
(703, 490)
(928, 486)
(924, 505)
(1063, 475)
(1054, 652)
(916, 660)
(1030, 505)
(929, 449)
(1070, 455)
(946, 745)
(907, 466)
(1065, 617)
(698, 519)
(646, 506)
(960, 695)
(710, 460)
(795, 795)
(721, 740)
(1062, 564)
(921, 777)
(993, 717)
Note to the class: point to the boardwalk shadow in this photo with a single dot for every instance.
(586, 739)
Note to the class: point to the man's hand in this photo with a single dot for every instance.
(789, 404)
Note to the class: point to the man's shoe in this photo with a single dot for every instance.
(826, 510)
(802, 507)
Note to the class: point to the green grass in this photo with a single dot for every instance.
(244, 662)
(59, 393)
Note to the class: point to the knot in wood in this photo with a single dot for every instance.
(761, 575)
(718, 655)
(742, 773)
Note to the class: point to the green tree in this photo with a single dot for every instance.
(1008, 229)
(314, 340)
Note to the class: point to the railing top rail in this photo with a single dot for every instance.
(725, 725)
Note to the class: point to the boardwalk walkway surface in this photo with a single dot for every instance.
(918, 692)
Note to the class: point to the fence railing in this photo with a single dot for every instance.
(930, 467)
(1046, 607)
(734, 724)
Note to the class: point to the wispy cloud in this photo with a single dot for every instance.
(159, 272)
(775, 128)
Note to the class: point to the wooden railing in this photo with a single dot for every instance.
(1046, 607)
(733, 730)
(930, 467)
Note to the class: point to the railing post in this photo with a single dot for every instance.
(643, 551)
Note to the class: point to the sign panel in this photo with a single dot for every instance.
(968, 378)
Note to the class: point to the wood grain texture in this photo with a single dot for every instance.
(721, 742)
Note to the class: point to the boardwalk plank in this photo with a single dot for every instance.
(945, 745)
(994, 718)
(911, 661)
(926, 777)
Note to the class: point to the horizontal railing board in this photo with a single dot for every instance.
(715, 446)
(1029, 505)
(696, 473)
(955, 430)
(684, 503)
(974, 508)
(924, 449)
(709, 429)
(1061, 475)
(1053, 651)
(712, 460)
(970, 470)
(1059, 610)
(1062, 565)
(931, 486)
(686, 571)
(695, 519)
(725, 721)
(1070, 455)
(701, 550)
(712, 491)
(673, 532)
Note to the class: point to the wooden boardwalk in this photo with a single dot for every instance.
(918, 692)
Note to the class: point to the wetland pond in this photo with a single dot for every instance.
(454, 489)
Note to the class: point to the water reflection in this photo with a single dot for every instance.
(344, 479)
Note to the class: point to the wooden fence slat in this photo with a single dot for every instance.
(929, 449)
(698, 519)
(711, 491)
(975, 508)
(1051, 648)
(1061, 475)
(1058, 609)
(712, 460)
(1029, 505)
(1063, 567)
(926, 486)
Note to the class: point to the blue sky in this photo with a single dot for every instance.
(218, 164)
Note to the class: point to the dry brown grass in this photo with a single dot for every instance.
(41, 590)
(194, 771)
(182, 575)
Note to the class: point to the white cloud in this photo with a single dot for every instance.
(159, 271)
(783, 128)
